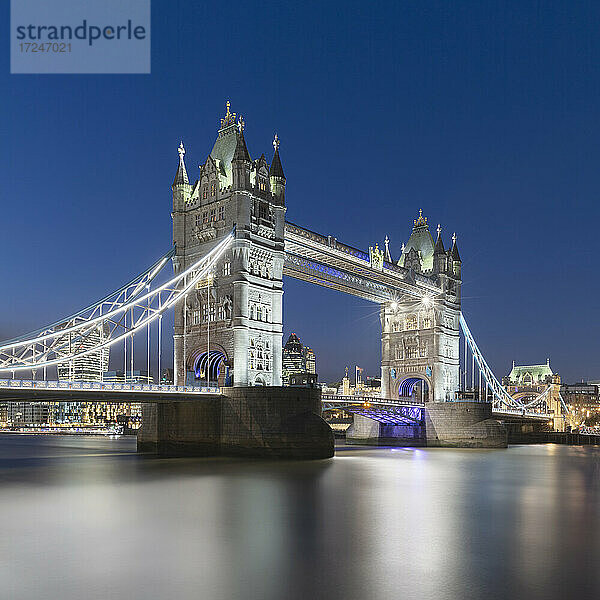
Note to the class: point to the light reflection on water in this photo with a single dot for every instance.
(87, 518)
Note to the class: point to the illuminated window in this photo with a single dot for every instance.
(196, 317)
(213, 188)
(226, 268)
(213, 214)
(205, 217)
(204, 193)
(411, 352)
(411, 322)
(427, 323)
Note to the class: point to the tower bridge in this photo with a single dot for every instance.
(232, 248)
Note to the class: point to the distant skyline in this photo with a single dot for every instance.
(484, 115)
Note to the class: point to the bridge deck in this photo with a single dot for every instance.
(16, 390)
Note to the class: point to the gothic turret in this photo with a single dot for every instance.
(439, 253)
(181, 177)
(276, 176)
(455, 256)
(241, 162)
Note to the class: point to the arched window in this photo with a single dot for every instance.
(259, 313)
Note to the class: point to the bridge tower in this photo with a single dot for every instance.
(420, 335)
(229, 332)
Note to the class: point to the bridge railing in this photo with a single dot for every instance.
(91, 386)
(339, 399)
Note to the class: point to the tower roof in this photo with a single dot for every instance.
(530, 373)
(421, 240)
(241, 150)
(276, 170)
(181, 176)
(455, 254)
(227, 140)
(439, 244)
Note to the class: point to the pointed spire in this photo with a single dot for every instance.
(181, 176)
(276, 170)
(455, 254)
(439, 244)
(387, 255)
(241, 150)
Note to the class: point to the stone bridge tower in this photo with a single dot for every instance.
(230, 330)
(420, 336)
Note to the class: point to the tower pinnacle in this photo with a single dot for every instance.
(387, 255)
(421, 220)
(229, 118)
(276, 142)
(181, 176)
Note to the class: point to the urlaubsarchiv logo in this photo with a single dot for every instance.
(80, 36)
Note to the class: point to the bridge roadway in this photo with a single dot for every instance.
(383, 410)
(358, 404)
(17, 390)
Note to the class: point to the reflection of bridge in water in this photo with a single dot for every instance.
(232, 248)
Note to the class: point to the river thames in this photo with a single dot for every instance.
(85, 517)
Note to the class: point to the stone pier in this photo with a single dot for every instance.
(445, 424)
(275, 422)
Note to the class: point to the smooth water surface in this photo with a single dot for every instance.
(86, 518)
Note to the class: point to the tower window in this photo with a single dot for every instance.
(213, 189)
(198, 220)
(226, 268)
(213, 214)
(205, 217)
(221, 213)
(411, 322)
(204, 193)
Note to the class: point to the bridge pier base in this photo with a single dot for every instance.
(272, 422)
(446, 424)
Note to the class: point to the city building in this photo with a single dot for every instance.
(85, 368)
(298, 359)
(526, 382)
(167, 377)
(583, 401)
(135, 376)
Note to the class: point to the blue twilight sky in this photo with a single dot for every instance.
(483, 114)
